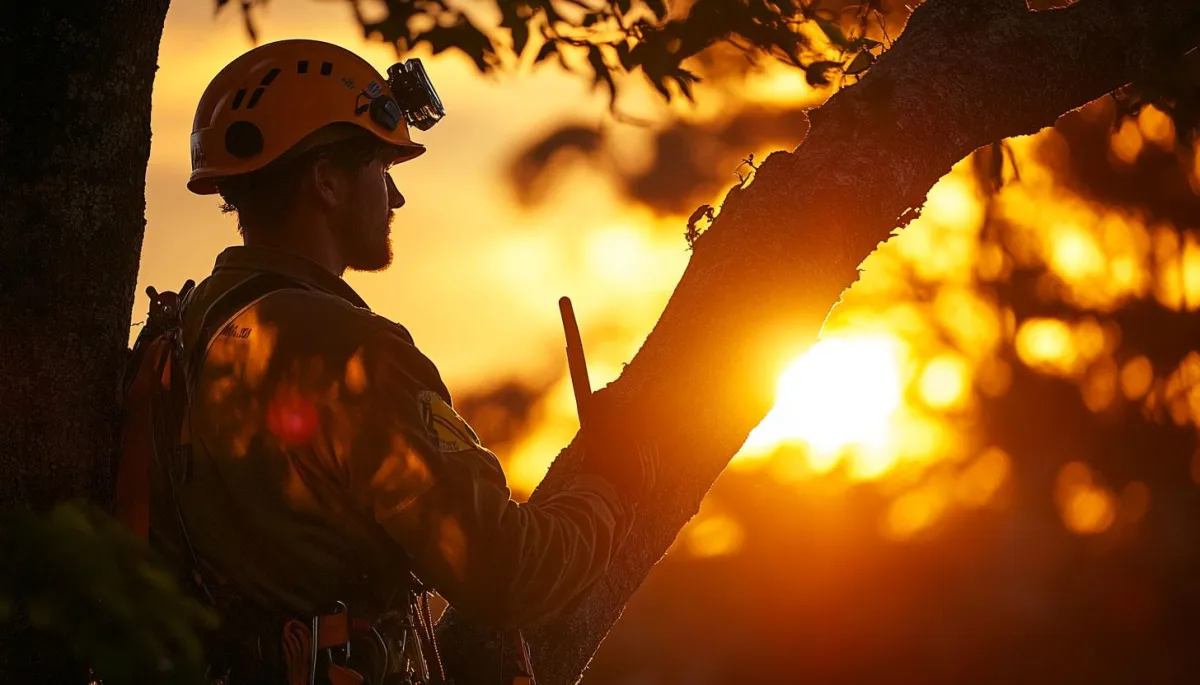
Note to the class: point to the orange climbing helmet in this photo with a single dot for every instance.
(260, 106)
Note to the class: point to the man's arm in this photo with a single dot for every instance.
(421, 472)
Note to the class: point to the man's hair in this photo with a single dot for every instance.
(262, 198)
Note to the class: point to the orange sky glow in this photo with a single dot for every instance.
(883, 396)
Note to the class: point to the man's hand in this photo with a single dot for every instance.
(619, 449)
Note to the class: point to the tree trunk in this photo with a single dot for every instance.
(74, 142)
(964, 74)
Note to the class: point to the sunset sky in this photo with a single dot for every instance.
(892, 389)
(476, 279)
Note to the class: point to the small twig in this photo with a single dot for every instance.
(883, 28)
(748, 161)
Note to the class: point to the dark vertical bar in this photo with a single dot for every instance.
(576, 362)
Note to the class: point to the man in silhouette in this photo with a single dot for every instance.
(320, 469)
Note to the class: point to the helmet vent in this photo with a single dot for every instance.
(326, 68)
(258, 93)
(302, 66)
(243, 139)
(237, 98)
(266, 81)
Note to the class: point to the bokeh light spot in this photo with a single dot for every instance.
(1046, 345)
(1086, 507)
(978, 483)
(1136, 377)
(914, 511)
(944, 382)
(714, 534)
(1127, 143)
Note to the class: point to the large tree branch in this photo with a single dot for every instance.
(964, 73)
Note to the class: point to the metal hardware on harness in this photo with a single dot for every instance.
(313, 650)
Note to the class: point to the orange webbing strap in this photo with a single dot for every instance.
(340, 675)
(297, 646)
(152, 355)
(137, 436)
(333, 630)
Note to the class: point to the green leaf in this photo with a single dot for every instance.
(861, 62)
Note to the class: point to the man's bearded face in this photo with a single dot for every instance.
(365, 233)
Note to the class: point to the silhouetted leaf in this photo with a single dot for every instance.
(625, 55)
(520, 34)
(658, 7)
(861, 62)
(248, 20)
(834, 33)
(602, 74)
(863, 44)
(548, 49)
(596, 59)
(511, 18)
(463, 36)
(685, 79)
(816, 73)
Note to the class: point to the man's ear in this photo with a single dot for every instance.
(326, 182)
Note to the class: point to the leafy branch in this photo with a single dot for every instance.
(609, 38)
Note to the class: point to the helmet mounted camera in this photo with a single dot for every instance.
(415, 95)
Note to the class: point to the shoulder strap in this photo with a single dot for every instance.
(177, 434)
(147, 390)
(228, 305)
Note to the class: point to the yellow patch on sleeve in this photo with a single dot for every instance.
(446, 428)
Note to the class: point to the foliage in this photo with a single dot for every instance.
(609, 38)
(74, 574)
(1174, 89)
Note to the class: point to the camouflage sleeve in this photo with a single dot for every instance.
(422, 473)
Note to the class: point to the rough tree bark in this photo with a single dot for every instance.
(964, 74)
(74, 143)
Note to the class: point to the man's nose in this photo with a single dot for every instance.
(395, 199)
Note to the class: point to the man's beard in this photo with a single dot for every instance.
(370, 253)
